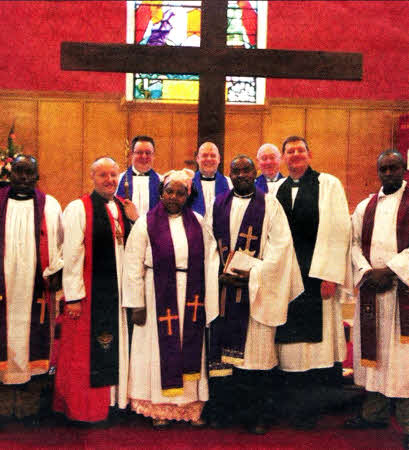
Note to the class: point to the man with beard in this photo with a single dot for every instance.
(31, 237)
(380, 258)
(248, 305)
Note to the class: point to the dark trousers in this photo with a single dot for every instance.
(247, 397)
(29, 399)
(306, 394)
(377, 408)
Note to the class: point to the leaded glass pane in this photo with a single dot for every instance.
(178, 23)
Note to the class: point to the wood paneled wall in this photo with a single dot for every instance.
(68, 131)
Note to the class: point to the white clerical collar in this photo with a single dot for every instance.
(138, 172)
(271, 180)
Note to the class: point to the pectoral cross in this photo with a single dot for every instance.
(168, 318)
(118, 233)
(249, 237)
(195, 304)
(221, 250)
(43, 303)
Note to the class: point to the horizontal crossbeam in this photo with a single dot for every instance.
(195, 60)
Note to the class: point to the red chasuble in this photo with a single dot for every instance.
(368, 295)
(73, 394)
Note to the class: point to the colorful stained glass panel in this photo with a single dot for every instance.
(154, 22)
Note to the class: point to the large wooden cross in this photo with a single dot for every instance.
(212, 61)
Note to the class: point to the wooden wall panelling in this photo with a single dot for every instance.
(244, 134)
(60, 149)
(104, 134)
(184, 139)
(370, 133)
(395, 126)
(157, 124)
(327, 137)
(284, 121)
(24, 113)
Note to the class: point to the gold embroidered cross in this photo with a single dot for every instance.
(118, 233)
(195, 303)
(43, 303)
(168, 318)
(222, 250)
(249, 237)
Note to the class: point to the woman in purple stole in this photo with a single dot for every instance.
(164, 286)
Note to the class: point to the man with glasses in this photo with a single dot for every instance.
(140, 183)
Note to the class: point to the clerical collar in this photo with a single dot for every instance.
(243, 196)
(105, 200)
(136, 173)
(203, 178)
(19, 196)
(294, 183)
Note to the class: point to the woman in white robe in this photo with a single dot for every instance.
(145, 388)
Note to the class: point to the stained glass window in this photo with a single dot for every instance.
(161, 22)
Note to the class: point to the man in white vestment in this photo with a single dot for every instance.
(31, 237)
(268, 160)
(250, 301)
(140, 183)
(207, 180)
(92, 366)
(312, 342)
(380, 255)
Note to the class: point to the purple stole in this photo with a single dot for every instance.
(261, 182)
(221, 185)
(228, 332)
(177, 362)
(40, 320)
(368, 294)
(154, 182)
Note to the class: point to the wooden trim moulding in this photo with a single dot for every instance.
(395, 105)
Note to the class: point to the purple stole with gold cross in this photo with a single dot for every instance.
(177, 362)
(40, 321)
(368, 294)
(227, 336)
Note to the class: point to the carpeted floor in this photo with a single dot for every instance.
(136, 432)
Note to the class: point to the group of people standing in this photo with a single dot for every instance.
(201, 297)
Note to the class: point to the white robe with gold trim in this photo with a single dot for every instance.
(391, 376)
(274, 281)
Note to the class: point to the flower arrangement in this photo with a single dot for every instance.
(8, 154)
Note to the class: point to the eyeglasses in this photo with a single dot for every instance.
(142, 152)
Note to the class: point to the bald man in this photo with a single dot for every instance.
(207, 180)
(93, 359)
(268, 160)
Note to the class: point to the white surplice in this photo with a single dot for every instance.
(140, 191)
(274, 281)
(74, 287)
(209, 193)
(391, 376)
(19, 269)
(331, 261)
(139, 292)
